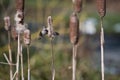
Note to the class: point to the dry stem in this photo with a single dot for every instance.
(10, 55)
(53, 66)
(21, 58)
(28, 54)
(74, 62)
(17, 64)
(102, 49)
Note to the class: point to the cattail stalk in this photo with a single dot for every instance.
(18, 53)
(10, 55)
(21, 58)
(28, 55)
(74, 62)
(101, 6)
(102, 49)
(53, 64)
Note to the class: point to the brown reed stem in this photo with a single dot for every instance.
(102, 48)
(18, 53)
(10, 55)
(52, 54)
(74, 62)
(28, 55)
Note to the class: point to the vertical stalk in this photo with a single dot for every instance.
(21, 58)
(18, 53)
(74, 62)
(102, 49)
(10, 55)
(28, 54)
(52, 54)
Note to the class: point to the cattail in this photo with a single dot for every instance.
(101, 6)
(7, 23)
(14, 33)
(27, 37)
(74, 28)
(20, 10)
(20, 5)
(77, 5)
(50, 26)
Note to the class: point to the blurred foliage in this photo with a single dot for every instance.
(36, 12)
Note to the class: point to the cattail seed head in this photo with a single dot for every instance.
(50, 26)
(14, 33)
(101, 6)
(7, 23)
(20, 5)
(20, 27)
(74, 28)
(27, 37)
(77, 5)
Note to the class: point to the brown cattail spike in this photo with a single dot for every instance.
(20, 8)
(27, 37)
(50, 26)
(20, 5)
(7, 23)
(74, 28)
(14, 33)
(101, 6)
(77, 5)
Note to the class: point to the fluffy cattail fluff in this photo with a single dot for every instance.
(101, 6)
(18, 16)
(20, 5)
(74, 28)
(14, 33)
(7, 23)
(27, 37)
(50, 27)
(77, 5)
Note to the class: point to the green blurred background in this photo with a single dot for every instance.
(88, 57)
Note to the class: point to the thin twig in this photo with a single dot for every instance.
(102, 49)
(10, 55)
(28, 54)
(74, 62)
(53, 66)
(6, 58)
(7, 63)
(14, 75)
